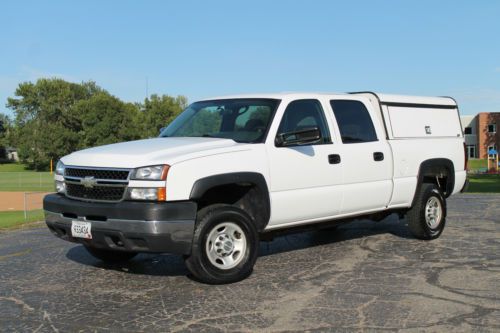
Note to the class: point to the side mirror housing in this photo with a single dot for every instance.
(298, 138)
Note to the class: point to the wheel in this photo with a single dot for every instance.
(225, 245)
(110, 256)
(427, 218)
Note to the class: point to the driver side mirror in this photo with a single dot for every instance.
(305, 136)
(161, 129)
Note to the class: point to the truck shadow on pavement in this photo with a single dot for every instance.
(173, 265)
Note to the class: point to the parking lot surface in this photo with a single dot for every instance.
(362, 276)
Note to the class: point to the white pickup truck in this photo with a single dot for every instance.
(230, 170)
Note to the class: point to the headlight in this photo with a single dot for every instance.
(60, 168)
(60, 187)
(151, 194)
(156, 172)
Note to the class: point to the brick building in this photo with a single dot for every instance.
(482, 133)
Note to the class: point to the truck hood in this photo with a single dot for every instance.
(139, 153)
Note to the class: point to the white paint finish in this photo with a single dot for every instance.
(409, 154)
(305, 204)
(302, 174)
(183, 175)
(403, 191)
(361, 169)
(359, 166)
(460, 178)
(409, 122)
(156, 151)
(373, 195)
(297, 172)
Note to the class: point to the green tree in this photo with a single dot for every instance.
(45, 119)
(54, 117)
(5, 129)
(106, 119)
(159, 111)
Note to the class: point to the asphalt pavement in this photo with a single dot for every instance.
(363, 276)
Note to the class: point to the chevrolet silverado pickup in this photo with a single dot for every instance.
(230, 170)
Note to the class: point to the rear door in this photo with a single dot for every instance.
(366, 157)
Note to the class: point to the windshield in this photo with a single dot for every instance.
(242, 120)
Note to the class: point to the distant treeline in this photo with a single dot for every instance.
(53, 118)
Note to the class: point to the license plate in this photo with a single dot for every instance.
(80, 229)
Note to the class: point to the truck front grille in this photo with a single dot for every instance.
(97, 173)
(90, 184)
(98, 193)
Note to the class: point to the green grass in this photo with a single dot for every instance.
(28, 181)
(484, 184)
(15, 177)
(475, 164)
(12, 167)
(14, 219)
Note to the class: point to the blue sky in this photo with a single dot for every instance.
(205, 48)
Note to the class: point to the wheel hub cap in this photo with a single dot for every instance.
(226, 245)
(433, 212)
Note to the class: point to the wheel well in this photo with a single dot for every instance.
(441, 181)
(247, 191)
(439, 171)
(246, 197)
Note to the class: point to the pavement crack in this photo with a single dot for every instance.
(18, 301)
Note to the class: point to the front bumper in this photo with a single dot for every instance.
(125, 226)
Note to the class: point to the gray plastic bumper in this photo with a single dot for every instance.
(125, 226)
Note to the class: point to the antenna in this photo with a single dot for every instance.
(147, 87)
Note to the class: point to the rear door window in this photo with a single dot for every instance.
(355, 123)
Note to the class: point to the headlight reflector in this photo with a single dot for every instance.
(155, 172)
(151, 193)
(60, 168)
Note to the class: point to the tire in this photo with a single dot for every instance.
(110, 256)
(427, 217)
(225, 245)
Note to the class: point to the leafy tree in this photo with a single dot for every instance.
(5, 129)
(106, 119)
(159, 111)
(45, 119)
(54, 117)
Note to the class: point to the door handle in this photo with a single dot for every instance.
(334, 159)
(378, 156)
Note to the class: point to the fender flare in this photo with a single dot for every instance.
(202, 185)
(432, 167)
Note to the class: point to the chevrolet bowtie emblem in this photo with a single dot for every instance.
(89, 182)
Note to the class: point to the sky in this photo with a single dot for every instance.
(210, 48)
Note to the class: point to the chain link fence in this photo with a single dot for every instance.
(26, 181)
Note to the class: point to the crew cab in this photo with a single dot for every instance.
(230, 170)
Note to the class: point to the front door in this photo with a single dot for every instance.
(305, 180)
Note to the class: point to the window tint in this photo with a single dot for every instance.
(303, 114)
(468, 130)
(354, 121)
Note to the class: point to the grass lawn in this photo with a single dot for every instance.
(476, 163)
(14, 219)
(12, 167)
(484, 184)
(14, 177)
(27, 181)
